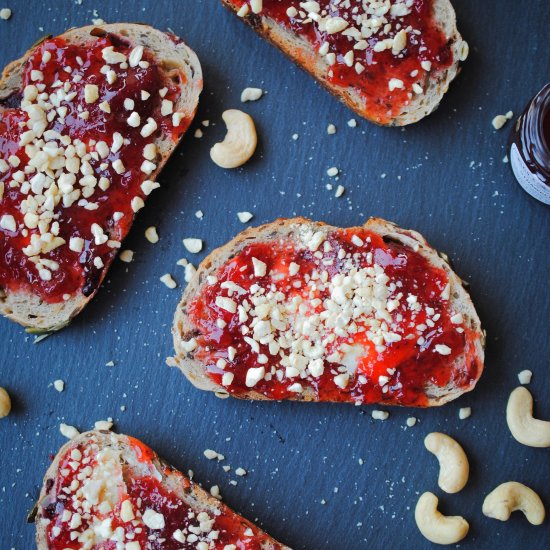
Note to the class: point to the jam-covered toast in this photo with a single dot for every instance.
(301, 310)
(87, 121)
(390, 61)
(105, 490)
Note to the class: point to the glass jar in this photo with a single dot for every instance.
(530, 147)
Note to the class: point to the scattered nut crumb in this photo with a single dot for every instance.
(352, 123)
(339, 191)
(59, 385)
(333, 171)
(103, 424)
(151, 234)
(411, 421)
(168, 280)
(500, 120)
(380, 415)
(525, 376)
(193, 245)
(211, 455)
(240, 472)
(244, 217)
(126, 256)
(70, 432)
(215, 492)
(110, 364)
(199, 214)
(331, 129)
(198, 133)
(226, 468)
(464, 412)
(295, 136)
(5, 13)
(251, 94)
(5, 403)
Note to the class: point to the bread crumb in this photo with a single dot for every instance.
(151, 234)
(464, 412)
(59, 385)
(244, 217)
(5, 13)
(193, 245)
(103, 425)
(380, 415)
(411, 421)
(525, 376)
(251, 94)
(168, 281)
(70, 432)
(126, 256)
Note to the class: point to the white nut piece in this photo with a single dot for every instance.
(454, 468)
(434, 525)
(5, 403)
(239, 143)
(519, 415)
(511, 496)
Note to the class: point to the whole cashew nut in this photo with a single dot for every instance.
(511, 496)
(453, 462)
(434, 525)
(239, 143)
(525, 428)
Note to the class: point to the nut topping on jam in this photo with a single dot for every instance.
(339, 315)
(74, 162)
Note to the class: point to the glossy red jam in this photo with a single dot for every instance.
(144, 493)
(425, 43)
(79, 66)
(396, 372)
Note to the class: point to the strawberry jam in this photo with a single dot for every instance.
(384, 50)
(343, 316)
(98, 501)
(72, 154)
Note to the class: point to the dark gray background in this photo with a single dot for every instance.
(444, 177)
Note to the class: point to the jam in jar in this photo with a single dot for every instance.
(530, 147)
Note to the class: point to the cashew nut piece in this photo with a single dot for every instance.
(453, 462)
(239, 143)
(5, 403)
(525, 428)
(511, 496)
(434, 525)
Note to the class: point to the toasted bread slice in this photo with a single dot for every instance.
(84, 86)
(301, 310)
(390, 62)
(125, 493)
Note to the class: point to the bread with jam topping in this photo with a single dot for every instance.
(89, 118)
(389, 61)
(305, 311)
(109, 490)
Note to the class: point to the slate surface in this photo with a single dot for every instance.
(444, 177)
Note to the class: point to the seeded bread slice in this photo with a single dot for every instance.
(460, 302)
(300, 50)
(137, 460)
(178, 63)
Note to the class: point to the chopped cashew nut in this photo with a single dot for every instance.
(453, 462)
(519, 415)
(239, 143)
(511, 496)
(5, 403)
(525, 376)
(251, 94)
(434, 525)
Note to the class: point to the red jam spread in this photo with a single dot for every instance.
(385, 50)
(345, 314)
(98, 502)
(76, 149)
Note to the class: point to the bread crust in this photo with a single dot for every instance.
(172, 479)
(183, 330)
(303, 54)
(29, 309)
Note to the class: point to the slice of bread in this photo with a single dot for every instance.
(125, 493)
(178, 68)
(420, 372)
(381, 79)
